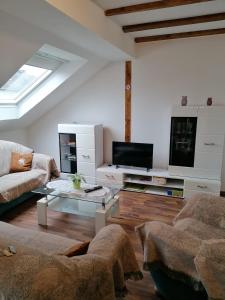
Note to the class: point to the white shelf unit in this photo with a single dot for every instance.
(173, 183)
(88, 148)
(148, 184)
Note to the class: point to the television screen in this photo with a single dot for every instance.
(132, 154)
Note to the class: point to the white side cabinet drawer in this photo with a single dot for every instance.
(204, 160)
(210, 143)
(86, 155)
(110, 177)
(201, 185)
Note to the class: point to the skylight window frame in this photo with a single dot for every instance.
(39, 59)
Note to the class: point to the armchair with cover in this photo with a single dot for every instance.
(187, 259)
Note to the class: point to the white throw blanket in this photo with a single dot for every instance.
(13, 185)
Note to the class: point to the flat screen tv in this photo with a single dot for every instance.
(132, 154)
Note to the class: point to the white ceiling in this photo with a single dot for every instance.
(183, 11)
(107, 4)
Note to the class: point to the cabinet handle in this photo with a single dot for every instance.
(202, 186)
(209, 144)
(109, 176)
(86, 156)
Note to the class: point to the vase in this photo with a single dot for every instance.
(76, 184)
(209, 101)
(184, 101)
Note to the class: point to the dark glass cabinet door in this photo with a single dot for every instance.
(68, 153)
(182, 141)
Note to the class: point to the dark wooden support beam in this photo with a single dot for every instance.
(150, 6)
(128, 70)
(175, 22)
(179, 35)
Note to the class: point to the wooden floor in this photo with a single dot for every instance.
(136, 208)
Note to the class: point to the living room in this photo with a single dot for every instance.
(132, 87)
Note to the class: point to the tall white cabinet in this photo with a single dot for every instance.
(81, 149)
(205, 174)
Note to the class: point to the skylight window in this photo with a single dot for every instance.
(34, 81)
(21, 83)
(28, 77)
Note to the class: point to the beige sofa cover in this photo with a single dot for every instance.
(194, 245)
(13, 185)
(38, 271)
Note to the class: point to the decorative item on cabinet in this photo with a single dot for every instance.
(209, 101)
(184, 101)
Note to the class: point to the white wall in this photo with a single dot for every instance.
(162, 73)
(100, 100)
(18, 136)
(20, 40)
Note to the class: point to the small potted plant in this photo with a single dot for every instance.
(76, 179)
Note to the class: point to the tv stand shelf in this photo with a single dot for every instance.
(155, 181)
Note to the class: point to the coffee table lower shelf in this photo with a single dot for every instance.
(101, 213)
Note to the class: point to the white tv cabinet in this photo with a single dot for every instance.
(151, 182)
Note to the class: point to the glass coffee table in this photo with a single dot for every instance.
(59, 195)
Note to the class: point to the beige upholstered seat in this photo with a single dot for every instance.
(14, 185)
(194, 245)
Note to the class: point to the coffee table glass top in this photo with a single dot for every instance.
(64, 189)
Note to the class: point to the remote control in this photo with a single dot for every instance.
(98, 187)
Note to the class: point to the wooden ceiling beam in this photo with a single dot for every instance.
(175, 22)
(150, 6)
(128, 81)
(179, 35)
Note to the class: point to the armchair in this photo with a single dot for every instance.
(187, 259)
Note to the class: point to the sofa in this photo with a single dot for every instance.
(40, 270)
(16, 187)
(187, 259)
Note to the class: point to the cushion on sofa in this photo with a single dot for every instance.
(14, 185)
(20, 162)
(6, 148)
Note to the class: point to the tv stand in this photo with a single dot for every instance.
(156, 181)
(128, 167)
(152, 181)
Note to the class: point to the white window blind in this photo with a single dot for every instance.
(28, 77)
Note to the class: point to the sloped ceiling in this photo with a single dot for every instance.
(15, 48)
(26, 25)
(74, 21)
